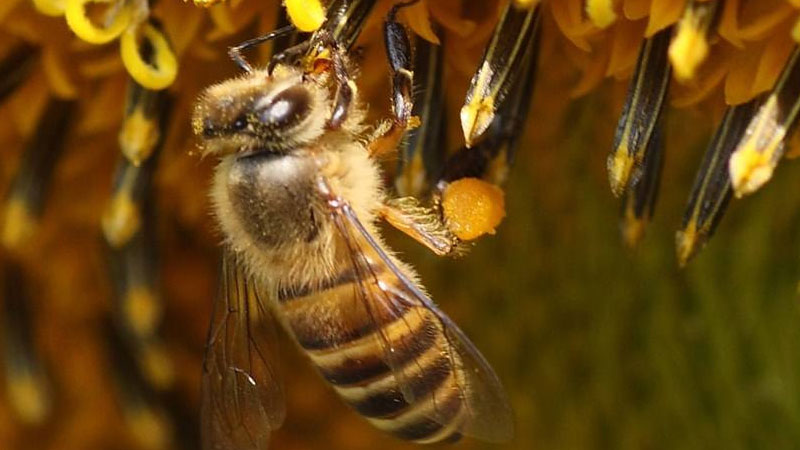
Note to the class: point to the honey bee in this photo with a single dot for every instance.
(297, 193)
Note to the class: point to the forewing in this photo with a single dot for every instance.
(243, 398)
(391, 295)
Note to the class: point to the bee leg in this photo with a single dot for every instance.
(422, 224)
(422, 155)
(398, 50)
(345, 88)
(285, 48)
(345, 20)
(235, 52)
(288, 55)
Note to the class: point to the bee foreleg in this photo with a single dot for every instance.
(398, 50)
(235, 52)
(422, 224)
(288, 55)
(345, 89)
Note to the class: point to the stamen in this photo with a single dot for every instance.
(53, 8)
(711, 191)
(55, 69)
(155, 363)
(124, 214)
(689, 47)
(15, 67)
(122, 218)
(763, 144)
(643, 106)
(148, 425)
(145, 416)
(497, 71)
(117, 20)
(140, 131)
(28, 193)
(638, 203)
(152, 63)
(27, 385)
(601, 12)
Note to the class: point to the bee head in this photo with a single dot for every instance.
(259, 111)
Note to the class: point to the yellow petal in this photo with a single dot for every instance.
(636, 9)
(663, 13)
(601, 12)
(419, 20)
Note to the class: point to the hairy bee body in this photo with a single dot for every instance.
(279, 228)
(348, 354)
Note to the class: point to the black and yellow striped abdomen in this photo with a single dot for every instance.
(387, 359)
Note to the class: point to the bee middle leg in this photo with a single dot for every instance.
(398, 50)
(422, 224)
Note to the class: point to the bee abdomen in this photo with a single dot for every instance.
(392, 365)
(362, 362)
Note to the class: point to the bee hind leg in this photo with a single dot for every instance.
(422, 224)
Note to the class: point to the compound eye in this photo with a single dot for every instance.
(286, 108)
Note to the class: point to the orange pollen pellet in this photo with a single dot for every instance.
(473, 207)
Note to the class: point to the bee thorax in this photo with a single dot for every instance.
(272, 197)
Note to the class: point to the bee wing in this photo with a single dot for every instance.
(243, 399)
(488, 415)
